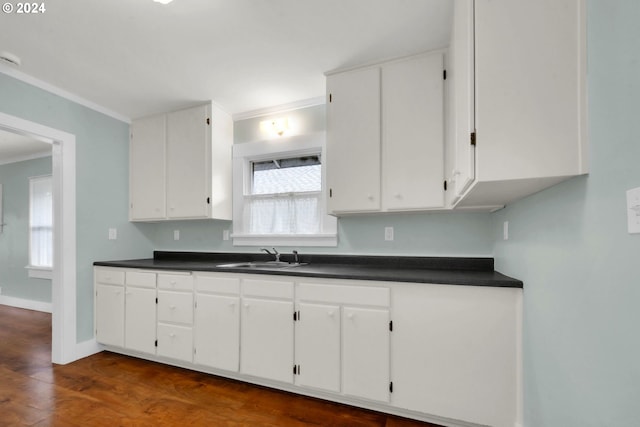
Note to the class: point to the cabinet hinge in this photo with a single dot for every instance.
(391, 325)
(156, 344)
(391, 387)
(473, 138)
(445, 185)
(208, 121)
(444, 74)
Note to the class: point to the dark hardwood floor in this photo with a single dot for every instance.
(112, 390)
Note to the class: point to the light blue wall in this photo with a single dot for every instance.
(570, 246)
(102, 188)
(14, 240)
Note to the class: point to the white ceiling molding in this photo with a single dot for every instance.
(18, 75)
(310, 102)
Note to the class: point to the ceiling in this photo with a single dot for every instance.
(138, 57)
(14, 147)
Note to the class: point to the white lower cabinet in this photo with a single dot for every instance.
(455, 352)
(342, 338)
(365, 353)
(318, 346)
(175, 316)
(441, 353)
(217, 322)
(140, 312)
(267, 329)
(109, 309)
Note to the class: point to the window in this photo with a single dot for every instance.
(40, 223)
(279, 194)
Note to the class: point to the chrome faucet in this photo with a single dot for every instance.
(274, 253)
(295, 257)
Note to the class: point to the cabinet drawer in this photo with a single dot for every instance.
(267, 288)
(109, 276)
(175, 342)
(141, 279)
(175, 307)
(217, 284)
(344, 294)
(182, 282)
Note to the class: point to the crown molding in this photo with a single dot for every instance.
(310, 102)
(19, 75)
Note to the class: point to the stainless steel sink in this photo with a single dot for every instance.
(261, 264)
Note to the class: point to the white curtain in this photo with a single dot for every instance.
(283, 214)
(41, 222)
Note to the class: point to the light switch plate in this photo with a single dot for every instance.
(113, 234)
(176, 234)
(633, 210)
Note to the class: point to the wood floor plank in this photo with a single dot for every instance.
(112, 390)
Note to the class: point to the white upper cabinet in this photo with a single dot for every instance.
(528, 79)
(413, 133)
(147, 168)
(385, 145)
(181, 165)
(353, 141)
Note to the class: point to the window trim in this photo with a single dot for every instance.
(293, 146)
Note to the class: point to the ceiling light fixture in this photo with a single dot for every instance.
(10, 58)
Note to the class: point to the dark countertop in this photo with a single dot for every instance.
(437, 270)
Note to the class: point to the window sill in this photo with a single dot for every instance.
(39, 272)
(323, 240)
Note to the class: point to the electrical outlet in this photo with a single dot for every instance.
(225, 234)
(113, 234)
(505, 230)
(388, 233)
(176, 234)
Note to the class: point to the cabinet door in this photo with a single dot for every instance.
(217, 331)
(175, 342)
(318, 346)
(365, 353)
(267, 339)
(110, 315)
(461, 76)
(530, 88)
(455, 352)
(188, 163)
(140, 319)
(147, 168)
(353, 141)
(413, 133)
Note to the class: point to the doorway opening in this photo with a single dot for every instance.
(63, 281)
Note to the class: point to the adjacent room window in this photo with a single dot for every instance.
(279, 194)
(41, 222)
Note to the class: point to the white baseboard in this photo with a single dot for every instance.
(28, 304)
(87, 348)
